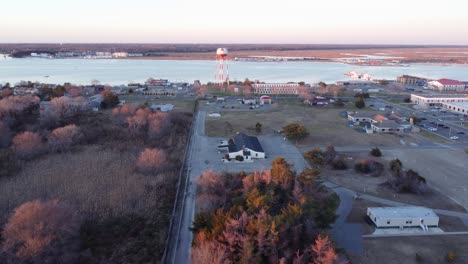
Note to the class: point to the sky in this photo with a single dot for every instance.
(442, 22)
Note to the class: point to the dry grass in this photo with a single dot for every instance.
(98, 182)
(370, 185)
(325, 125)
(397, 250)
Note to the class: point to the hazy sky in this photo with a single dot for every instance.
(238, 21)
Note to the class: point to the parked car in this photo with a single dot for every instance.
(453, 137)
(461, 133)
(433, 129)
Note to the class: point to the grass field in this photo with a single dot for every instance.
(398, 250)
(433, 137)
(185, 105)
(325, 125)
(370, 185)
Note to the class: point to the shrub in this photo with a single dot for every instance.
(339, 164)
(151, 160)
(42, 232)
(64, 137)
(27, 144)
(450, 257)
(8, 163)
(376, 152)
(371, 167)
(315, 156)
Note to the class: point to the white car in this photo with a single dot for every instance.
(433, 129)
(453, 137)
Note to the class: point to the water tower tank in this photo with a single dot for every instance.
(222, 52)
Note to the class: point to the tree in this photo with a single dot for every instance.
(360, 103)
(5, 135)
(315, 156)
(324, 251)
(281, 172)
(151, 160)
(295, 132)
(64, 137)
(109, 99)
(42, 232)
(258, 128)
(376, 152)
(27, 144)
(383, 82)
(322, 84)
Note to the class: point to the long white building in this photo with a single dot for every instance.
(405, 216)
(460, 108)
(426, 101)
(276, 88)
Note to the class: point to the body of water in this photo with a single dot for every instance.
(113, 72)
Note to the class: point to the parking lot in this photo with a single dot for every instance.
(437, 121)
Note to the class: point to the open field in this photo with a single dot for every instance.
(325, 125)
(444, 169)
(433, 137)
(370, 185)
(398, 250)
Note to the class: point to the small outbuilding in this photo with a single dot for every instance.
(265, 99)
(405, 216)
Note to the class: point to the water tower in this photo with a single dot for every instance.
(222, 67)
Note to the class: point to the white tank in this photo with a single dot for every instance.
(221, 52)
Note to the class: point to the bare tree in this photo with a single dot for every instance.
(151, 160)
(64, 137)
(5, 135)
(42, 232)
(27, 144)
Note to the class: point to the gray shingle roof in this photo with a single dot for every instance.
(242, 140)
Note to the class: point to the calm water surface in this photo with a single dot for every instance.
(81, 71)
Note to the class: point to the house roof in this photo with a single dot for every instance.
(387, 124)
(242, 140)
(402, 212)
(449, 82)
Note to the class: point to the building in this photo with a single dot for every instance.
(366, 117)
(380, 123)
(447, 85)
(405, 216)
(246, 146)
(249, 101)
(387, 126)
(120, 54)
(460, 108)
(427, 101)
(408, 79)
(162, 107)
(276, 88)
(265, 99)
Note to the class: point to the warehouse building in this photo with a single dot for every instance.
(405, 216)
(427, 101)
(460, 108)
(276, 88)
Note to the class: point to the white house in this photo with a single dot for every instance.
(246, 146)
(405, 216)
(448, 85)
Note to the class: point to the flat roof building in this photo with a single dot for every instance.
(460, 108)
(276, 88)
(405, 216)
(426, 101)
